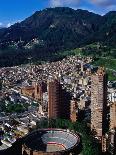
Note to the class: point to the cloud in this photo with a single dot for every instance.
(1, 24)
(12, 23)
(75, 3)
(55, 3)
(9, 24)
(104, 3)
(69, 3)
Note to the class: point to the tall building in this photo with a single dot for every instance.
(73, 110)
(54, 98)
(112, 132)
(113, 115)
(109, 139)
(58, 100)
(99, 103)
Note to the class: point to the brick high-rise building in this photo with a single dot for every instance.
(58, 100)
(113, 115)
(73, 110)
(99, 103)
(54, 98)
(109, 139)
(112, 132)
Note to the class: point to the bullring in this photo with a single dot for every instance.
(50, 142)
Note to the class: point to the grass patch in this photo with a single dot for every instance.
(109, 64)
(106, 62)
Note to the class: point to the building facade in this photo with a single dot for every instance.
(112, 132)
(73, 110)
(35, 91)
(58, 100)
(54, 99)
(113, 115)
(99, 103)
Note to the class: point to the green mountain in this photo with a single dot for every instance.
(55, 29)
(60, 26)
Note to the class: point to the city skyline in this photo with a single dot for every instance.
(16, 11)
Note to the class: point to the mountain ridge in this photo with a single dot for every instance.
(80, 22)
(48, 14)
(56, 29)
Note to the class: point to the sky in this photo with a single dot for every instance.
(12, 11)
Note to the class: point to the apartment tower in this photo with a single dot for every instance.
(99, 103)
(58, 100)
(54, 98)
(113, 115)
(112, 133)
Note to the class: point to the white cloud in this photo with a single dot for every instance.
(9, 24)
(70, 3)
(1, 24)
(12, 23)
(101, 6)
(55, 3)
(111, 8)
(104, 3)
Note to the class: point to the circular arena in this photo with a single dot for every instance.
(50, 142)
